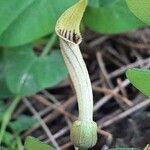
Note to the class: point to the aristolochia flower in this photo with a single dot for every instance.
(84, 130)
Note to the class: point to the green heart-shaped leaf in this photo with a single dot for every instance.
(140, 79)
(19, 63)
(23, 21)
(110, 16)
(141, 9)
(26, 73)
(33, 144)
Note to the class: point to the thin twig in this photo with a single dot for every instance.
(106, 98)
(45, 128)
(125, 113)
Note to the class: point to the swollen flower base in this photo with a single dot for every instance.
(84, 134)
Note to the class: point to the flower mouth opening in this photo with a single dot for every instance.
(70, 36)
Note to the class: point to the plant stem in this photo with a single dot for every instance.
(49, 45)
(7, 116)
(19, 143)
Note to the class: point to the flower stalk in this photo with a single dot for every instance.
(84, 130)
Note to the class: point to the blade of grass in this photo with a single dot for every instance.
(7, 116)
(19, 143)
(49, 45)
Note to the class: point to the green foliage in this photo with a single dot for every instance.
(2, 110)
(140, 79)
(25, 73)
(33, 144)
(110, 16)
(124, 149)
(22, 123)
(25, 21)
(141, 9)
(8, 139)
(101, 3)
(3, 148)
(17, 126)
(4, 90)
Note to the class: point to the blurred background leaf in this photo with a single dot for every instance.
(4, 90)
(33, 144)
(3, 148)
(26, 73)
(30, 20)
(110, 16)
(3, 108)
(22, 123)
(140, 79)
(141, 9)
(26, 21)
(8, 139)
(124, 149)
